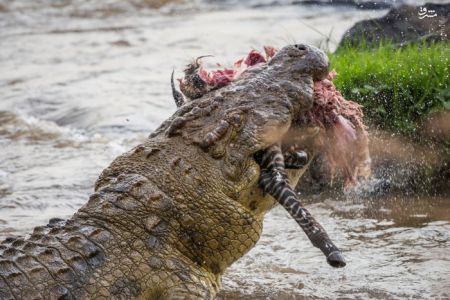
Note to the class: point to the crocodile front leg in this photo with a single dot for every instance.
(274, 181)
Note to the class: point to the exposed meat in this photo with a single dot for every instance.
(346, 143)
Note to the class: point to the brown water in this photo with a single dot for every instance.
(81, 83)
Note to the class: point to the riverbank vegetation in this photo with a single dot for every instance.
(399, 87)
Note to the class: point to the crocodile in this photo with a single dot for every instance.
(273, 161)
(169, 216)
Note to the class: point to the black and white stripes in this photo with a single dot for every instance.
(274, 181)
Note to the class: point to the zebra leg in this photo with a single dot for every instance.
(274, 181)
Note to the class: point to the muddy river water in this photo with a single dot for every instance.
(81, 82)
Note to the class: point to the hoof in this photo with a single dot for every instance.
(301, 158)
(295, 159)
(336, 260)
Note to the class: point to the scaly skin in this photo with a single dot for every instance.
(168, 217)
(272, 161)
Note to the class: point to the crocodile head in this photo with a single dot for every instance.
(281, 77)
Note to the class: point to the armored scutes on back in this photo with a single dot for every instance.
(169, 216)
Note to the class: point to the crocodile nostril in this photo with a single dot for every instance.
(300, 47)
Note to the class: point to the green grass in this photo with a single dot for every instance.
(398, 87)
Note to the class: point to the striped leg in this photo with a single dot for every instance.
(274, 181)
